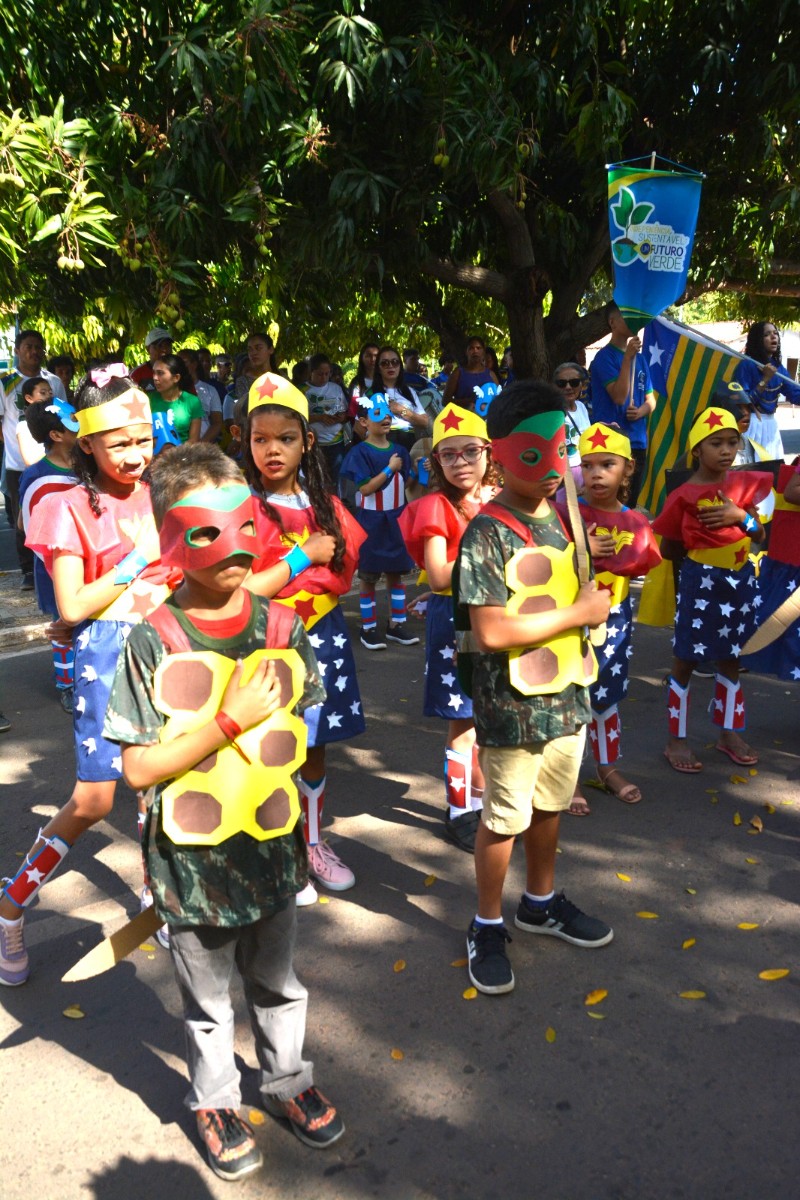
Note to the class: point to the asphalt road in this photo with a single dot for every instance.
(663, 1097)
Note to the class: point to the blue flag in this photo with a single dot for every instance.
(652, 216)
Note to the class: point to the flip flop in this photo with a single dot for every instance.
(687, 769)
(741, 760)
(621, 792)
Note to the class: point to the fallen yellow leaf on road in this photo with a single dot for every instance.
(397, 1055)
(458, 962)
(738, 779)
(430, 880)
(692, 995)
(324, 900)
(255, 1117)
(687, 945)
(595, 997)
(550, 1034)
(624, 878)
(692, 891)
(757, 823)
(769, 808)
(751, 860)
(774, 973)
(737, 820)
(747, 925)
(648, 916)
(147, 947)
(712, 791)
(753, 771)
(400, 965)
(74, 1012)
(597, 1016)
(470, 993)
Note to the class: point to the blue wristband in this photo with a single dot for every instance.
(130, 566)
(750, 524)
(388, 472)
(296, 560)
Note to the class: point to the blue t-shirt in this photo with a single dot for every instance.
(748, 374)
(604, 370)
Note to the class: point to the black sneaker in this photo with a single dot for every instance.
(372, 640)
(65, 699)
(462, 830)
(488, 965)
(27, 581)
(230, 1145)
(398, 633)
(311, 1115)
(563, 920)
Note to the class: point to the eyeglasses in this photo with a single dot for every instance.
(389, 362)
(470, 454)
(565, 383)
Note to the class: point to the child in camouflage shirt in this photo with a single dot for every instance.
(229, 900)
(520, 630)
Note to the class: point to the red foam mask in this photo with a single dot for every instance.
(207, 526)
(536, 449)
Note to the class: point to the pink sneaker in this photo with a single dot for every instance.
(328, 869)
(14, 968)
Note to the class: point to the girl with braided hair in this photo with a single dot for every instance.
(309, 549)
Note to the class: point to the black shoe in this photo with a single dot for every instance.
(563, 920)
(372, 639)
(462, 830)
(397, 633)
(488, 965)
(311, 1115)
(5, 724)
(27, 581)
(230, 1145)
(65, 699)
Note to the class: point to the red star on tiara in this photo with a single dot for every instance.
(713, 419)
(267, 389)
(452, 421)
(598, 438)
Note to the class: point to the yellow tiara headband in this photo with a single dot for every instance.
(131, 408)
(454, 421)
(603, 439)
(711, 421)
(274, 389)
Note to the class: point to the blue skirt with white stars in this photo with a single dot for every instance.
(98, 645)
(777, 581)
(341, 715)
(443, 697)
(611, 685)
(717, 610)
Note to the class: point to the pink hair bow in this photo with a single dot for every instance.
(100, 376)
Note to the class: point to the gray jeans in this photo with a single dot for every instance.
(204, 957)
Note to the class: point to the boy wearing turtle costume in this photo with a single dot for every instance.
(218, 740)
(521, 618)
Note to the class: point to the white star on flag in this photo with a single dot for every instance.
(322, 666)
(339, 641)
(611, 631)
(601, 693)
(315, 639)
(738, 709)
(724, 631)
(608, 651)
(89, 674)
(795, 672)
(593, 734)
(706, 582)
(740, 628)
(80, 704)
(756, 601)
(338, 663)
(457, 784)
(83, 639)
(35, 875)
(625, 685)
(455, 701)
(732, 580)
(656, 353)
(675, 713)
(341, 683)
(335, 721)
(701, 604)
(449, 679)
(726, 609)
(116, 763)
(697, 623)
(617, 667)
(612, 735)
(90, 744)
(447, 652)
(718, 705)
(736, 650)
(355, 707)
(699, 649)
(745, 609)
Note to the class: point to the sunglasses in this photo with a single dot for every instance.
(389, 362)
(470, 454)
(565, 383)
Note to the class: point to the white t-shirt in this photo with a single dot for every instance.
(576, 422)
(400, 423)
(331, 401)
(208, 396)
(13, 457)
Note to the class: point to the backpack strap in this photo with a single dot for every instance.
(280, 619)
(169, 629)
(507, 518)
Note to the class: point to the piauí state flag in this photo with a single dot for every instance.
(652, 216)
(685, 367)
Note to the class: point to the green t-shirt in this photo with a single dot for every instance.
(503, 715)
(240, 880)
(185, 409)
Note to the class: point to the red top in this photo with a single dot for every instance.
(65, 521)
(230, 626)
(433, 515)
(636, 549)
(678, 519)
(298, 522)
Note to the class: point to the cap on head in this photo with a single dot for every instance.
(157, 335)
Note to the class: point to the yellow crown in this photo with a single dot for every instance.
(604, 439)
(712, 420)
(274, 389)
(131, 408)
(454, 421)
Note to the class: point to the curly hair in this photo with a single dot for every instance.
(315, 478)
(754, 346)
(89, 395)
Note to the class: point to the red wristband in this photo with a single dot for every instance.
(228, 726)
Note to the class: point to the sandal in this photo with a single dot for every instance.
(628, 792)
(683, 761)
(579, 806)
(741, 760)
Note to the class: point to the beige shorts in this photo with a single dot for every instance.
(520, 778)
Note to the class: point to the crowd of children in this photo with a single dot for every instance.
(142, 565)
